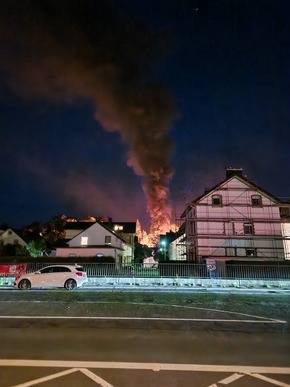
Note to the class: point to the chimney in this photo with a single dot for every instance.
(230, 172)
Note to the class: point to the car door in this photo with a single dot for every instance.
(43, 278)
(59, 276)
(66, 273)
(50, 277)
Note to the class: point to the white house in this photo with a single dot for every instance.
(235, 220)
(10, 237)
(126, 230)
(97, 241)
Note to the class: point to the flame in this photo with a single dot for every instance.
(151, 238)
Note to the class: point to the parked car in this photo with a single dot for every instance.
(54, 276)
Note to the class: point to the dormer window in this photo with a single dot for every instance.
(216, 200)
(256, 200)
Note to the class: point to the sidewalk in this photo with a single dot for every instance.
(167, 284)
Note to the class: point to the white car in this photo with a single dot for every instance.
(55, 276)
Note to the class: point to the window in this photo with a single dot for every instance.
(47, 270)
(84, 241)
(256, 200)
(72, 255)
(64, 269)
(118, 227)
(251, 252)
(107, 240)
(216, 200)
(248, 229)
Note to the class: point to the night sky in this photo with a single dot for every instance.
(97, 98)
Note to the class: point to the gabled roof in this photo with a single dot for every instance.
(105, 227)
(238, 176)
(3, 233)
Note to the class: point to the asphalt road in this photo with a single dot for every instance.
(57, 338)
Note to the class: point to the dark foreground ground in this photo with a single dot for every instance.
(90, 338)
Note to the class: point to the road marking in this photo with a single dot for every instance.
(270, 321)
(228, 380)
(74, 364)
(270, 380)
(95, 377)
(265, 319)
(86, 372)
(46, 378)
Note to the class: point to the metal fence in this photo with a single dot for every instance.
(173, 270)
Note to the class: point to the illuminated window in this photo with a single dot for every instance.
(216, 200)
(107, 240)
(251, 252)
(248, 229)
(256, 200)
(84, 241)
(118, 227)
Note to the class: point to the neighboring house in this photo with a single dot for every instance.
(177, 248)
(126, 230)
(10, 237)
(235, 220)
(96, 240)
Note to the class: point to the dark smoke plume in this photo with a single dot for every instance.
(69, 50)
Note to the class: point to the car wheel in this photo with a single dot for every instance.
(24, 284)
(70, 284)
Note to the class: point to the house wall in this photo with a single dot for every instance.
(177, 249)
(96, 235)
(218, 230)
(10, 237)
(97, 240)
(286, 234)
(83, 252)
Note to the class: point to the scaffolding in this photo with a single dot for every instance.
(237, 222)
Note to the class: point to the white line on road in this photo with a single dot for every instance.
(145, 366)
(46, 378)
(270, 321)
(270, 380)
(95, 377)
(243, 315)
(228, 380)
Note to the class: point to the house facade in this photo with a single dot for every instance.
(10, 237)
(235, 220)
(126, 230)
(96, 241)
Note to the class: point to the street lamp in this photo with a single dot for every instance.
(163, 244)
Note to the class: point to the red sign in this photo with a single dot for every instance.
(12, 269)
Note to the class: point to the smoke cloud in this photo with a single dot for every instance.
(65, 51)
